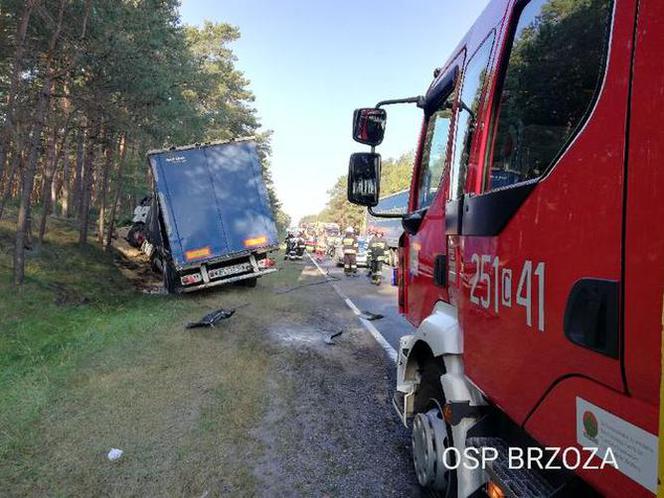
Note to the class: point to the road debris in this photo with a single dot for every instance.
(329, 339)
(114, 454)
(368, 315)
(327, 279)
(211, 319)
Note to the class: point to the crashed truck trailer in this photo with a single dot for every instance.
(210, 221)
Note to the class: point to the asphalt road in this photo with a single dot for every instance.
(368, 297)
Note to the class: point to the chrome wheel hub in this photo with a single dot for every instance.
(430, 440)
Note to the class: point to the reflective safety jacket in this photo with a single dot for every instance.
(377, 248)
(349, 244)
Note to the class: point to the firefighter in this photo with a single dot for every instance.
(349, 245)
(300, 245)
(321, 246)
(377, 249)
(289, 245)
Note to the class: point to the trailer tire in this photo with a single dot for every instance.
(153, 264)
(136, 235)
(170, 278)
(249, 282)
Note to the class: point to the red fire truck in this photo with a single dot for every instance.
(532, 261)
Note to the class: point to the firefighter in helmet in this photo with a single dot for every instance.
(289, 244)
(349, 245)
(377, 250)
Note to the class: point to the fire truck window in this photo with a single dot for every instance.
(434, 154)
(468, 109)
(554, 71)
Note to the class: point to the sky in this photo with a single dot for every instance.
(312, 62)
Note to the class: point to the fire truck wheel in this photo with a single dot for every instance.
(430, 438)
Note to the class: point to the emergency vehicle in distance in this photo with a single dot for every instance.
(532, 261)
(396, 203)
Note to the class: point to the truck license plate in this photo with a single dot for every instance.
(229, 270)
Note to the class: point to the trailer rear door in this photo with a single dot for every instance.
(187, 199)
(242, 199)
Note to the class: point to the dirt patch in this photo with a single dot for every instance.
(135, 265)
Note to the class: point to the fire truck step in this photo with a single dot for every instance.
(516, 483)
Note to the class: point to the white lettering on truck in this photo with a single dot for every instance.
(491, 285)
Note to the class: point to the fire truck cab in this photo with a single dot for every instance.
(532, 261)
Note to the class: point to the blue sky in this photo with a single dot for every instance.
(311, 63)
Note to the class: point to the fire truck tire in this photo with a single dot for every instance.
(430, 439)
(431, 435)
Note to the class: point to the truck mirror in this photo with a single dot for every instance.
(364, 178)
(369, 126)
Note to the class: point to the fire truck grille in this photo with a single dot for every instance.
(516, 483)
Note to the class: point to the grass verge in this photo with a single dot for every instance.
(87, 363)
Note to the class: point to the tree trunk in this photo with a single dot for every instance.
(52, 160)
(118, 191)
(65, 183)
(86, 190)
(23, 224)
(9, 187)
(8, 127)
(78, 178)
(57, 181)
(104, 187)
(49, 170)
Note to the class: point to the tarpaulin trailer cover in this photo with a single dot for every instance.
(213, 201)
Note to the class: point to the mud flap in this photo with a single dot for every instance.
(403, 404)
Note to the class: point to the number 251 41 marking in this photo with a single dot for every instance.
(497, 285)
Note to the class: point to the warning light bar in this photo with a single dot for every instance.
(197, 253)
(256, 241)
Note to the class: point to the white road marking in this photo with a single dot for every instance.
(389, 350)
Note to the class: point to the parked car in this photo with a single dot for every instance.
(362, 258)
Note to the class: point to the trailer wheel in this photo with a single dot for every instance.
(136, 235)
(170, 278)
(249, 282)
(154, 265)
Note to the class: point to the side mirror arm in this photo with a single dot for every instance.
(419, 100)
(384, 215)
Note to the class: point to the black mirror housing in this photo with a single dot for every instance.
(369, 126)
(364, 178)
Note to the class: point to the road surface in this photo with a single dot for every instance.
(368, 297)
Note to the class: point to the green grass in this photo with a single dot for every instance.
(87, 363)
